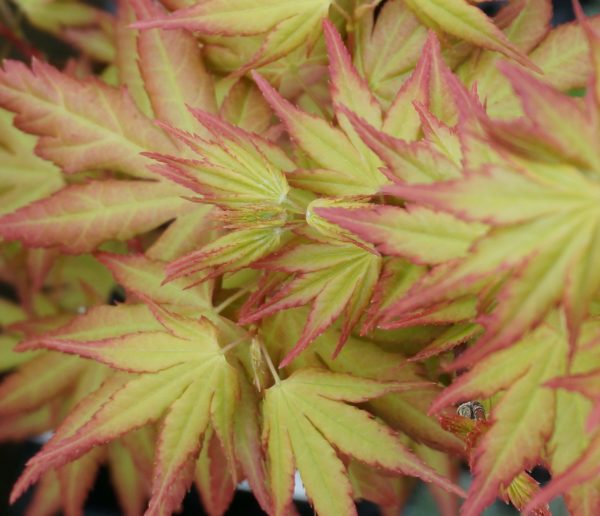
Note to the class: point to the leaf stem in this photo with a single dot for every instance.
(235, 343)
(270, 364)
(234, 297)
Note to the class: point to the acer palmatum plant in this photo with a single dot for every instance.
(335, 222)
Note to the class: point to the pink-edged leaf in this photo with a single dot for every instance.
(416, 162)
(80, 217)
(173, 72)
(387, 47)
(228, 253)
(143, 352)
(329, 147)
(178, 447)
(348, 89)
(416, 233)
(582, 470)
(339, 281)
(70, 117)
(467, 22)
(37, 382)
(248, 446)
(302, 425)
(546, 109)
(213, 477)
(133, 404)
(198, 390)
(126, 57)
(98, 323)
(233, 166)
(77, 479)
(128, 481)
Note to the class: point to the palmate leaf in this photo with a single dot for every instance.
(81, 124)
(406, 411)
(545, 222)
(524, 417)
(228, 253)
(525, 24)
(338, 280)
(418, 234)
(80, 217)
(24, 177)
(345, 166)
(243, 174)
(387, 47)
(285, 24)
(529, 30)
(467, 22)
(173, 72)
(233, 167)
(181, 372)
(304, 417)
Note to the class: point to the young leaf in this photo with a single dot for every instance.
(305, 418)
(233, 166)
(340, 161)
(173, 71)
(229, 253)
(184, 374)
(524, 417)
(467, 22)
(416, 233)
(527, 224)
(68, 114)
(386, 51)
(80, 217)
(338, 280)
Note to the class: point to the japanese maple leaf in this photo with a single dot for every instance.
(430, 130)
(284, 24)
(528, 26)
(243, 174)
(181, 371)
(305, 418)
(523, 419)
(549, 244)
(338, 279)
(522, 488)
(467, 22)
(384, 60)
(344, 165)
(405, 410)
(38, 178)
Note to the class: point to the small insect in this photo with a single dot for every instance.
(471, 410)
